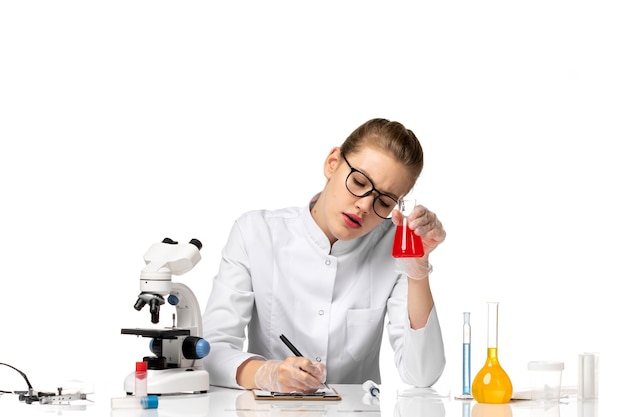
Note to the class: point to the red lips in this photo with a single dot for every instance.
(353, 221)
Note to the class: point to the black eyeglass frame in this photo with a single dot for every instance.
(378, 193)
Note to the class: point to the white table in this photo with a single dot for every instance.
(403, 402)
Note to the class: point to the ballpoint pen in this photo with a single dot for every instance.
(295, 351)
(290, 345)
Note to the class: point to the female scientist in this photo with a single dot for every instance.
(323, 276)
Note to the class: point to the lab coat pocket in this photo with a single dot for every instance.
(363, 330)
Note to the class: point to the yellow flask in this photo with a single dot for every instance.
(491, 384)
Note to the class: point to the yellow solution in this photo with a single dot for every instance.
(491, 384)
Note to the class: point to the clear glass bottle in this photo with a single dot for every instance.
(491, 384)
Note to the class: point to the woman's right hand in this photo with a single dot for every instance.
(294, 374)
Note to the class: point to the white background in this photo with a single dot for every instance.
(123, 122)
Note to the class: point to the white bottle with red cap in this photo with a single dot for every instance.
(141, 379)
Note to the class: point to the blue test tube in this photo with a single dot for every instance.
(467, 343)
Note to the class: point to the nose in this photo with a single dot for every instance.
(366, 203)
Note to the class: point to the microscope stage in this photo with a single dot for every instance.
(158, 333)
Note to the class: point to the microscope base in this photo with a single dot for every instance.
(172, 381)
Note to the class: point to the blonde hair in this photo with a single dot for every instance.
(388, 136)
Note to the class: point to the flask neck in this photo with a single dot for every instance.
(492, 325)
(492, 355)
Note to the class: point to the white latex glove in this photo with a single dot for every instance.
(425, 224)
(414, 268)
(294, 374)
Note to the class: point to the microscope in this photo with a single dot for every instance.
(176, 366)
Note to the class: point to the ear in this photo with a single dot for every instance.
(332, 162)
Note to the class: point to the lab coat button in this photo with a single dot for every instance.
(318, 359)
(328, 262)
(320, 312)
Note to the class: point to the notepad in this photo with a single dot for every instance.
(322, 394)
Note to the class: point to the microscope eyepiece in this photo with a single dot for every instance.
(194, 242)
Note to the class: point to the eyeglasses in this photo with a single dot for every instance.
(360, 186)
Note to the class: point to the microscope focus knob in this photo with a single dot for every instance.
(195, 347)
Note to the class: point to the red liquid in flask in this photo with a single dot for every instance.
(406, 244)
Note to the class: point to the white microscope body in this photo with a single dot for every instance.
(177, 366)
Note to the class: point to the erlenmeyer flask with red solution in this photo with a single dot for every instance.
(406, 244)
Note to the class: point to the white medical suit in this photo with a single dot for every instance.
(280, 275)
